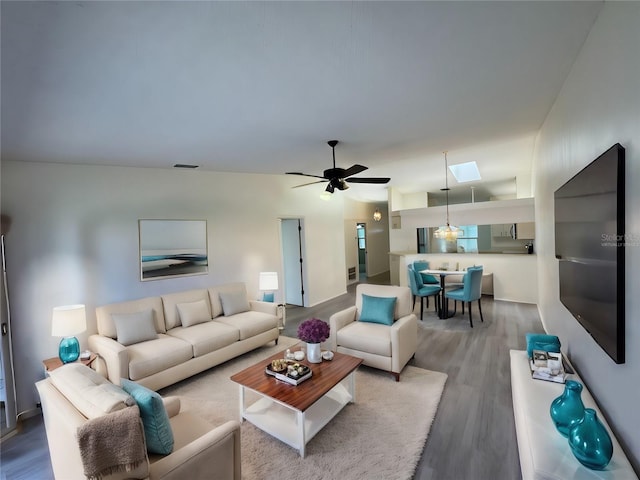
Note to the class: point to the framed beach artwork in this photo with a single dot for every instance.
(172, 248)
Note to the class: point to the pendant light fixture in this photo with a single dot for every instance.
(448, 233)
(377, 216)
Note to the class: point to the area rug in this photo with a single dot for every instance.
(381, 436)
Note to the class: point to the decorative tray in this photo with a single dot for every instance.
(303, 372)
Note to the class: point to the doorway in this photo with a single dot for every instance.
(361, 237)
(8, 410)
(293, 264)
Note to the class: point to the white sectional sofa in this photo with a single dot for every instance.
(158, 341)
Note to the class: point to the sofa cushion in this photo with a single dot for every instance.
(234, 302)
(192, 313)
(366, 337)
(134, 327)
(106, 326)
(88, 391)
(214, 295)
(250, 323)
(157, 429)
(170, 304)
(377, 309)
(155, 356)
(206, 337)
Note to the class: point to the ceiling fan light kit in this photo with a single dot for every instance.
(338, 177)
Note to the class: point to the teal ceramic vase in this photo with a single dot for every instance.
(590, 442)
(567, 409)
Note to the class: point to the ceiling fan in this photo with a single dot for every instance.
(338, 177)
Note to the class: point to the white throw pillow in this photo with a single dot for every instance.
(134, 327)
(89, 391)
(193, 313)
(234, 302)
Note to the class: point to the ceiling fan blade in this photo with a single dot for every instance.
(367, 180)
(310, 183)
(304, 174)
(354, 170)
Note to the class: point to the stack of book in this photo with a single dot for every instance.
(547, 366)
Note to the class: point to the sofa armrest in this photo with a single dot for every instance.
(264, 307)
(115, 356)
(214, 455)
(171, 405)
(340, 320)
(404, 341)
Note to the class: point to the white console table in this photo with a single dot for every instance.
(544, 453)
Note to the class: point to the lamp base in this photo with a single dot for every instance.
(268, 297)
(69, 349)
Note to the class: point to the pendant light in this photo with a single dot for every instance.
(377, 216)
(448, 233)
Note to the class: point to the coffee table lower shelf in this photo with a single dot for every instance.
(291, 426)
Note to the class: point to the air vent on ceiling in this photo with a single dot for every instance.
(185, 165)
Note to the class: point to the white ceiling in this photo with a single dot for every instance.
(261, 86)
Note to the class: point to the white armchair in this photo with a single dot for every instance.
(201, 451)
(381, 346)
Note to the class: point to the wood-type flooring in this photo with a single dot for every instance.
(473, 435)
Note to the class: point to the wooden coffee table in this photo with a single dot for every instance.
(294, 414)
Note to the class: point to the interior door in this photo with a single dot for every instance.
(361, 230)
(293, 260)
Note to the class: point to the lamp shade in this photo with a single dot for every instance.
(68, 320)
(268, 281)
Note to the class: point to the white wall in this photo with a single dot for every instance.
(598, 106)
(74, 239)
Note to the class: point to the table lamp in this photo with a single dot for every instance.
(66, 322)
(268, 284)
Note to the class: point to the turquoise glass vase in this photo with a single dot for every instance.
(567, 409)
(590, 442)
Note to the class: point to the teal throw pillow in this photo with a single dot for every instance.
(157, 429)
(378, 309)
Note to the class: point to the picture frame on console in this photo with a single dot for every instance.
(172, 248)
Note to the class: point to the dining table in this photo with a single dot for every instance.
(443, 312)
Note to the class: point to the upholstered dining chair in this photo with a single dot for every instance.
(427, 279)
(419, 289)
(470, 291)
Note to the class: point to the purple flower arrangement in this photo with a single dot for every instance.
(313, 330)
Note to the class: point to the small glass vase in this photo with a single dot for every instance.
(313, 353)
(590, 442)
(567, 409)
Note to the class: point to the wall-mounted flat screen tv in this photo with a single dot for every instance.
(589, 234)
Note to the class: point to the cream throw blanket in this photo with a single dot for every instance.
(112, 443)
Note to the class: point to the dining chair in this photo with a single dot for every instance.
(419, 289)
(470, 291)
(427, 279)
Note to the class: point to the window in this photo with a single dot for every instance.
(468, 241)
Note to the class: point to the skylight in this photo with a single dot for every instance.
(465, 172)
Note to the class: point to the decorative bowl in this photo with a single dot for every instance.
(327, 355)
